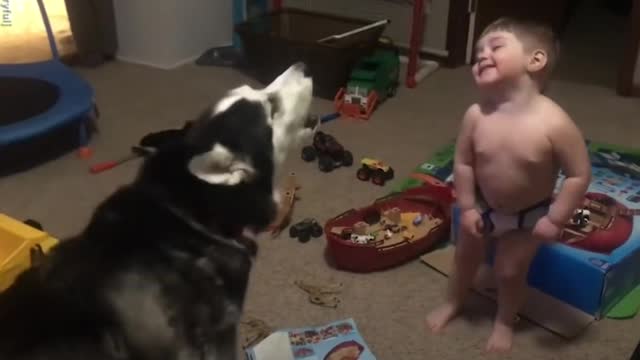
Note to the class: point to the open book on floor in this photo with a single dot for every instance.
(334, 341)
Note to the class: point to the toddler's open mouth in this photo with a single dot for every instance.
(484, 67)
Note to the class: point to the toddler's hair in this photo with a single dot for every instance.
(533, 35)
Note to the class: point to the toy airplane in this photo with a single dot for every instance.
(322, 295)
(286, 207)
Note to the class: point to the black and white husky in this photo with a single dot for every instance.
(161, 269)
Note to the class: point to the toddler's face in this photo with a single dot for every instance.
(499, 56)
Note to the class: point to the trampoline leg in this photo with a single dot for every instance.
(92, 122)
(84, 151)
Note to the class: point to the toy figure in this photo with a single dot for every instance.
(581, 217)
(393, 215)
(360, 228)
(362, 239)
(511, 145)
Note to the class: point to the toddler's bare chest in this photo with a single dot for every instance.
(517, 142)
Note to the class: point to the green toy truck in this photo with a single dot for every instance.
(373, 79)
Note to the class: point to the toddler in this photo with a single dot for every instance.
(510, 148)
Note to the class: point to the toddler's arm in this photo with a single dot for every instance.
(463, 176)
(571, 153)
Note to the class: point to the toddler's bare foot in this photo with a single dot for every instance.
(501, 338)
(440, 317)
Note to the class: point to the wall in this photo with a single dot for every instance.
(636, 73)
(170, 33)
(398, 11)
(202, 24)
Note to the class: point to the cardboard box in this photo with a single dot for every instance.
(595, 264)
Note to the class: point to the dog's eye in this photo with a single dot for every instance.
(274, 101)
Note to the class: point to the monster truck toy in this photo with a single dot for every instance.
(305, 229)
(376, 170)
(330, 153)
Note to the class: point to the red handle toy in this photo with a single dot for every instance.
(103, 166)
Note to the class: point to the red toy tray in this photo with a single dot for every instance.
(432, 202)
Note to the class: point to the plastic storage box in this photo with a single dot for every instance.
(274, 41)
(17, 240)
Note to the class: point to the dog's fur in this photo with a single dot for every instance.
(160, 271)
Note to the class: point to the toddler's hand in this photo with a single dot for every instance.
(471, 222)
(546, 230)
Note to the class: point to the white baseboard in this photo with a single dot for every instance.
(426, 49)
(425, 67)
(177, 64)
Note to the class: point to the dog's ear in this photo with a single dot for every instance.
(219, 166)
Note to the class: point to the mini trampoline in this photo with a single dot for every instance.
(46, 109)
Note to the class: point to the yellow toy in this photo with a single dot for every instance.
(376, 170)
(17, 242)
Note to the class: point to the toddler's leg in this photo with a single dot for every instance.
(514, 252)
(470, 253)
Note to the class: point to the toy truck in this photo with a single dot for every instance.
(329, 152)
(373, 79)
(305, 230)
(376, 170)
(22, 245)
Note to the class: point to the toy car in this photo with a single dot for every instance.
(330, 153)
(305, 229)
(376, 170)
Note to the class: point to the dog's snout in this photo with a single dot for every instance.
(303, 68)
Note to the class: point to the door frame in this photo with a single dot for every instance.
(459, 29)
(460, 34)
(626, 71)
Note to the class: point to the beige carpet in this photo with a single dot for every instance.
(389, 307)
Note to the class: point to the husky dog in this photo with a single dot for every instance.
(161, 269)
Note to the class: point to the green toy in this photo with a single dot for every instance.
(373, 79)
(628, 307)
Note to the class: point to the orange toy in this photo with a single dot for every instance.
(286, 207)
